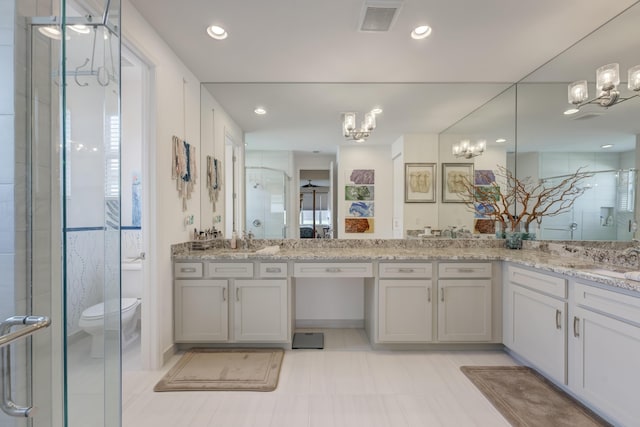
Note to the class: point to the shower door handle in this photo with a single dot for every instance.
(31, 324)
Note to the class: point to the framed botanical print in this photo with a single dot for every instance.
(420, 182)
(455, 179)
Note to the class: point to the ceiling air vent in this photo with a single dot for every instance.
(379, 15)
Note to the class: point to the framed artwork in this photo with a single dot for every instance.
(419, 182)
(454, 176)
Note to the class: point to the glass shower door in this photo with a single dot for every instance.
(31, 236)
(62, 171)
(91, 214)
(266, 201)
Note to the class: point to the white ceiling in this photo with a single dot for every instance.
(493, 42)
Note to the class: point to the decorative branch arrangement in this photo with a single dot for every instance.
(183, 168)
(520, 202)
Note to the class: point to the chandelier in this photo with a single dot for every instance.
(350, 131)
(468, 150)
(607, 81)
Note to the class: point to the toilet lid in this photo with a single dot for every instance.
(96, 311)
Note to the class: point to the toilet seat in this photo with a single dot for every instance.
(97, 311)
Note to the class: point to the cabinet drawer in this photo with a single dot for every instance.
(460, 270)
(551, 285)
(623, 307)
(273, 269)
(333, 269)
(188, 269)
(230, 269)
(399, 270)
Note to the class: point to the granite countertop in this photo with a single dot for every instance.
(543, 260)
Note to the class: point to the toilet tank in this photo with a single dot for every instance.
(132, 279)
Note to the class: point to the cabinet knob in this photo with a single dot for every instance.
(576, 327)
(405, 270)
(187, 270)
(465, 270)
(428, 294)
(333, 270)
(273, 270)
(558, 319)
(224, 294)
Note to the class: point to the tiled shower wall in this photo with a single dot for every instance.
(7, 158)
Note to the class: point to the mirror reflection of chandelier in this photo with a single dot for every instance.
(350, 131)
(607, 81)
(468, 150)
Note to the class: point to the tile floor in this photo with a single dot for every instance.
(346, 384)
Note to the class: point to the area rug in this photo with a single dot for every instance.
(525, 398)
(224, 369)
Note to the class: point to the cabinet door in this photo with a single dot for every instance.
(464, 310)
(604, 364)
(537, 330)
(201, 311)
(261, 310)
(404, 311)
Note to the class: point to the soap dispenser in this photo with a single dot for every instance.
(234, 240)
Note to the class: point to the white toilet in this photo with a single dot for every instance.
(92, 319)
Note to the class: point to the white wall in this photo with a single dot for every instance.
(367, 157)
(458, 214)
(131, 148)
(421, 148)
(215, 124)
(169, 118)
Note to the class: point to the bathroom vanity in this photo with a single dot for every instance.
(576, 322)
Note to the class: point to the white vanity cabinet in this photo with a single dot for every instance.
(604, 347)
(260, 312)
(464, 302)
(201, 310)
(535, 308)
(405, 313)
(217, 302)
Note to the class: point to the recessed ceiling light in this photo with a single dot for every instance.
(377, 110)
(421, 32)
(260, 111)
(501, 140)
(571, 111)
(51, 32)
(217, 32)
(606, 146)
(80, 28)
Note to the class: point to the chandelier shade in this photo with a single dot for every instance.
(467, 149)
(350, 131)
(607, 82)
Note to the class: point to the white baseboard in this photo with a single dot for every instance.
(330, 323)
(168, 354)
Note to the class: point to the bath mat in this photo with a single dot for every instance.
(527, 399)
(224, 369)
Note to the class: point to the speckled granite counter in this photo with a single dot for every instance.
(570, 259)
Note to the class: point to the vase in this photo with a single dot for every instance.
(513, 239)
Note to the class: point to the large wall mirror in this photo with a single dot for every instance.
(523, 125)
(551, 145)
